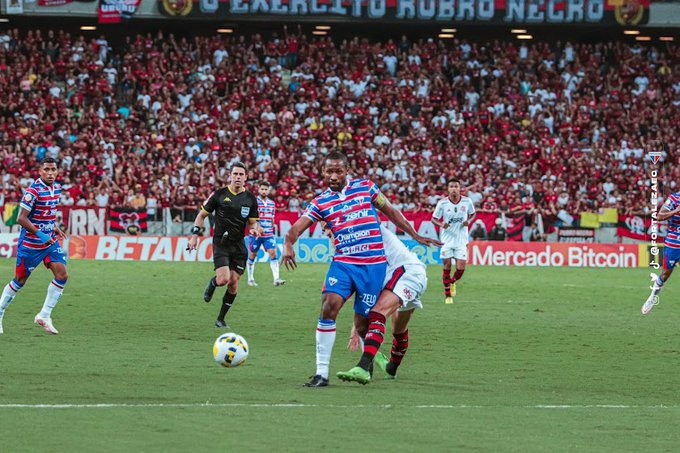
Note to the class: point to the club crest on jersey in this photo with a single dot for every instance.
(244, 211)
(332, 280)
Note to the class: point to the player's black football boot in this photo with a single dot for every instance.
(209, 290)
(317, 381)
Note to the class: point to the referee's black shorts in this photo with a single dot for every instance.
(233, 255)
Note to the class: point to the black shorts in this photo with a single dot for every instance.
(233, 255)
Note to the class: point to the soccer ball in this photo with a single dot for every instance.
(230, 350)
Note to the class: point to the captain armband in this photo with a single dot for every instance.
(380, 201)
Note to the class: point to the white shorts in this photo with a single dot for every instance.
(408, 283)
(457, 252)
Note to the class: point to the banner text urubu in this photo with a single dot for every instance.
(510, 12)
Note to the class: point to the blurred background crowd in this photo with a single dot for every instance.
(154, 121)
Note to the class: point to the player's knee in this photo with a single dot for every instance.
(60, 274)
(330, 307)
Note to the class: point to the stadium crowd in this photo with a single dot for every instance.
(540, 127)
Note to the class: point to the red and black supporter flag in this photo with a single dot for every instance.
(128, 220)
(515, 224)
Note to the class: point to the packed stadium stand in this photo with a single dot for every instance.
(552, 127)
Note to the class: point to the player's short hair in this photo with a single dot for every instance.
(453, 180)
(48, 160)
(338, 155)
(264, 183)
(239, 165)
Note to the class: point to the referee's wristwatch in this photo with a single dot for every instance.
(195, 231)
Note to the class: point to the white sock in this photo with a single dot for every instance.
(325, 339)
(54, 292)
(658, 284)
(8, 295)
(274, 264)
(250, 266)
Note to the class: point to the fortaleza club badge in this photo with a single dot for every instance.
(244, 211)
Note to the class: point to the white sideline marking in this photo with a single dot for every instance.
(341, 406)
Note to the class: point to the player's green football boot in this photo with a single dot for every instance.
(381, 360)
(356, 374)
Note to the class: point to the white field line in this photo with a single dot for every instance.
(341, 406)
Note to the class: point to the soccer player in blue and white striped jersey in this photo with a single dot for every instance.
(671, 253)
(39, 243)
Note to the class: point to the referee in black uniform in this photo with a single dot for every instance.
(234, 207)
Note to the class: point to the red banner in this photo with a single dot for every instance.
(641, 228)
(53, 2)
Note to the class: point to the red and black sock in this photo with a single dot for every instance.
(399, 348)
(446, 279)
(457, 275)
(373, 339)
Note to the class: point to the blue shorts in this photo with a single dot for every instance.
(364, 280)
(29, 259)
(254, 243)
(671, 256)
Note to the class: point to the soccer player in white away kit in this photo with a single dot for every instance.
(453, 214)
(405, 281)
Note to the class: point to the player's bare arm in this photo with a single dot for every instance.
(665, 214)
(27, 225)
(61, 233)
(299, 227)
(400, 221)
(470, 219)
(440, 223)
(255, 228)
(198, 223)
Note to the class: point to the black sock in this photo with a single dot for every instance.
(366, 362)
(227, 302)
(213, 283)
(391, 368)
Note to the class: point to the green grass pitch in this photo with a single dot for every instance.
(525, 360)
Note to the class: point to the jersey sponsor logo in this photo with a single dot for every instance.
(352, 236)
(357, 215)
(355, 249)
(244, 211)
(227, 199)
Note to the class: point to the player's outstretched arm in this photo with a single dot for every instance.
(255, 228)
(665, 214)
(198, 223)
(299, 227)
(27, 225)
(400, 222)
